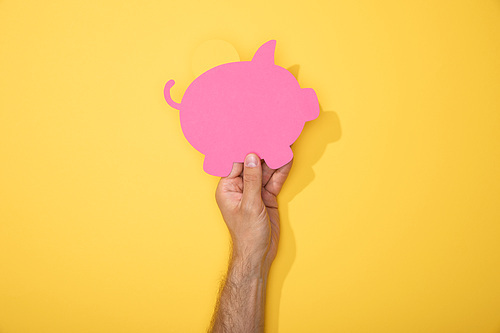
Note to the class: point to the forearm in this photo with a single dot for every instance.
(241, 305)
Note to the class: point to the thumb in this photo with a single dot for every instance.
(252, 179)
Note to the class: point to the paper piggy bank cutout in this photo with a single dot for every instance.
(245, 107)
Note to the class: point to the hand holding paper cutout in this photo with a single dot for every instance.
(245, 107)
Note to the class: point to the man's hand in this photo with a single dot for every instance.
(247, 199)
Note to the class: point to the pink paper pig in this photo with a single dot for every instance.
(244, 107)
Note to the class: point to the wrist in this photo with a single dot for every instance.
(249, 265)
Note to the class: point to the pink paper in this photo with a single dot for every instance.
(245, 107)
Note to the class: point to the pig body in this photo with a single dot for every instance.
(245, 107)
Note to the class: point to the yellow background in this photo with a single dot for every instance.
(391, 215)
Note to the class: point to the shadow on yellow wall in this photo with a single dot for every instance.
(307, 150)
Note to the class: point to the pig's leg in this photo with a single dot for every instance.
(279, 158)
(217, 166)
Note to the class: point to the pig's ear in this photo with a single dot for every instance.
(265, 53)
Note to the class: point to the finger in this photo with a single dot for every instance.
(252, 179)
(236, 171)
(278, 178)
(267, 172)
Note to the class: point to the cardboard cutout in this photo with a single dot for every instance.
(245, 107)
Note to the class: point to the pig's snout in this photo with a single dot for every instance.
(309, 103)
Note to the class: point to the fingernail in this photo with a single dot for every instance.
(251, 161)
